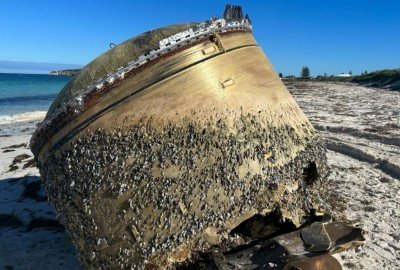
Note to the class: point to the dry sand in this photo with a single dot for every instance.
(32, 239)
(361, 127)
(362, 130)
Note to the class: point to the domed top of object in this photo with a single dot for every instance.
(131, 57)
(113, 59)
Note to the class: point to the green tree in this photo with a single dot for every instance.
(305, 72)
(280, 75)
(351, 73)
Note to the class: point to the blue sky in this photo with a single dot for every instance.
(328, 36)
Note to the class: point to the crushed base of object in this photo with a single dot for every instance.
(308, 248)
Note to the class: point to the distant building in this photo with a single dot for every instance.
(344, 75)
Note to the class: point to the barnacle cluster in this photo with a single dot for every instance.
(139, 195)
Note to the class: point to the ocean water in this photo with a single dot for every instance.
(21, 93)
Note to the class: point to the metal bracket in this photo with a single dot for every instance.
(217, 40)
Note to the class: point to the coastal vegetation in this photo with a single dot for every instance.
(386, 78)
(305, 72)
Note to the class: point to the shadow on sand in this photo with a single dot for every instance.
(30, 235)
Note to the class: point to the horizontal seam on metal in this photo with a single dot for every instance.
(90, 119)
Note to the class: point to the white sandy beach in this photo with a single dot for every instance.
(31, 240)
(361, 127)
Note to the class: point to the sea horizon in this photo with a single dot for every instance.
(33, 68)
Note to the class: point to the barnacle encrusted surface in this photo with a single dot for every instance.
(139, 195)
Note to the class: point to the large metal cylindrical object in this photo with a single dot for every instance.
(166, 162)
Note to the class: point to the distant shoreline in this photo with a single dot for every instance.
(388, 79)
(65, 72)
(44, 73)
(18, 67)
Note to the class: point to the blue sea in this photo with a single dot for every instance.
(21, 93)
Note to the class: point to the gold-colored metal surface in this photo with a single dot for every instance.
(159, 73)
(114, 58)
(186, 76)
(171, 159)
